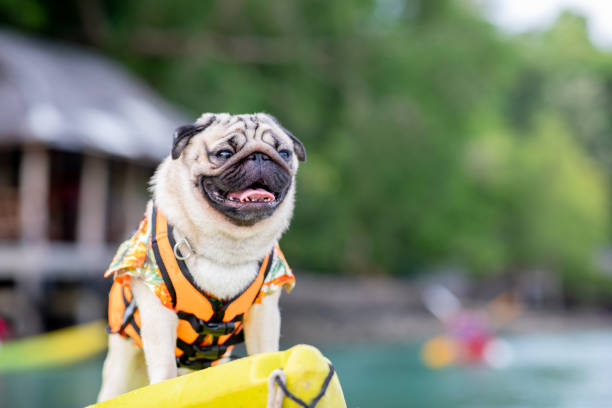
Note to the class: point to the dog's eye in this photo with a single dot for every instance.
(285, 154)
(224, 154)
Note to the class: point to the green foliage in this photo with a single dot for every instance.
(431, 138)
(546, 204)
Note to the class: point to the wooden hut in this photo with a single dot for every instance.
(79, 137)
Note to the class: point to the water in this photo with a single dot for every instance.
(562, 371)
(568, 371)
(74, 386)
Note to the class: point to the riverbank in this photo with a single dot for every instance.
(332, 310)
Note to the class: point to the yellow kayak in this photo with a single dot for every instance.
(247, 382)
(63, 346)
(302, 371)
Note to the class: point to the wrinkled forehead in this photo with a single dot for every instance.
(256, 126)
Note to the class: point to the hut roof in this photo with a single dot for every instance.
(71, 98)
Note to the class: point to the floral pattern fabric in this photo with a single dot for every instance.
(279, 276)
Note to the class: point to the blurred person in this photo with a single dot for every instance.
(469, 336)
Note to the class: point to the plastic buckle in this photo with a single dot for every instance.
(192, 363)
(213, 328)
(213, 352)
(217, 329)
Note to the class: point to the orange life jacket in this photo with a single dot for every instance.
(208, 328)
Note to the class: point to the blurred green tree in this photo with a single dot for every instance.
(432, 138)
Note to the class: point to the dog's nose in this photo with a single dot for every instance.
(258, 157)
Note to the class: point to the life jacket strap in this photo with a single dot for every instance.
(128, 316)
(156, 242)
(213, 328)
(185, 362)
(212, 352)
(197, 357)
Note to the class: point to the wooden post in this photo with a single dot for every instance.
(91, 223)
(34, 194)
(33, 223)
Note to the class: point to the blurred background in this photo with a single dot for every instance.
(451, 240)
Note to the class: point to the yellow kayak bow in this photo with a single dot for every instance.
(245, 383)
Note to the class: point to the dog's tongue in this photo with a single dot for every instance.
(251, 194)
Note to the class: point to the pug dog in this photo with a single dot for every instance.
(227, 190)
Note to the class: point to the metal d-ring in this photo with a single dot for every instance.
(177, 252)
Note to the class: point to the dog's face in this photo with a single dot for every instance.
(243, 165)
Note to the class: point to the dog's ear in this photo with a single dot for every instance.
(183, 135)
(181, 138)
(298, 146)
